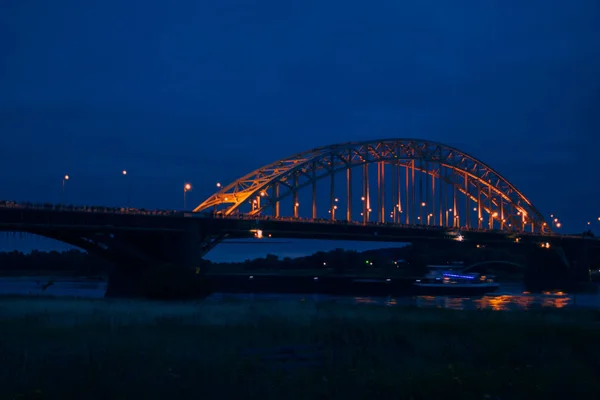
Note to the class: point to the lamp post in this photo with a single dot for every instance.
(186, 188)
(62, 196)
(215, 206)
(124, 173)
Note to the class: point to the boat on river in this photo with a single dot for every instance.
(455, 283)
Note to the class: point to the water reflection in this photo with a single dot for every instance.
(504, 302)
(518, 300)
(44, 286)
(371, 300)
(497, 302)
(509, 298)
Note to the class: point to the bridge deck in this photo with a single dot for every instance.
(37, 218)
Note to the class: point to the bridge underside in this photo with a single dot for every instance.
(134, 252)
(134, 249)
(547, 257)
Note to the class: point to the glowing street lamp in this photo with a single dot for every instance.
(124, 173)
(64, 180)
(186, 188)
(448, 211)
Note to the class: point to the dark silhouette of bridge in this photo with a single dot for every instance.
(418, 191)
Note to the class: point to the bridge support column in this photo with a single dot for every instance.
(579, 256)
(187, 252)
(183, 250)
(125, 280)
(565, 266)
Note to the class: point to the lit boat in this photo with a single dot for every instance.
(455, 283)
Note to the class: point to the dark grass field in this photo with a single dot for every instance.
(101, 349)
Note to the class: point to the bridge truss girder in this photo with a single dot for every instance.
(472, 178)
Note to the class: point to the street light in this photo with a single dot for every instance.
(62, 197)
(124, 173)
(186, 188)
(447, 215)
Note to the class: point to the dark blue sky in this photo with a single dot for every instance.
(207, 91)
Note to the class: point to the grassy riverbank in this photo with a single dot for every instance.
(57, 348)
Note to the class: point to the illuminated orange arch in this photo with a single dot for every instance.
(293, 173)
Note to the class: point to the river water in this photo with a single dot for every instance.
(509, 297)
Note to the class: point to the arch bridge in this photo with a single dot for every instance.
(397, 181)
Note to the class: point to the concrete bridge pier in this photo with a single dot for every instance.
(137, 255)
(125, 279)
(563, 266)
(186, 251)
(579, 257)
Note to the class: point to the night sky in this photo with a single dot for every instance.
(205, 92)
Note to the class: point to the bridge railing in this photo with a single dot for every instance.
(375, 223)
(135, 211)
(91, 209)
(390, 224)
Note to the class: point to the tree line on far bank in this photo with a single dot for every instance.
(407, 258)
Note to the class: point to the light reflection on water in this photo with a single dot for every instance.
(507, 298)
(498, 302)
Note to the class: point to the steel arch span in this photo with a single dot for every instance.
(431, 184)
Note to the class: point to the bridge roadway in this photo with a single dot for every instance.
(136, 239)
(50, 220)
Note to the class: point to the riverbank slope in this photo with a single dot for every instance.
(65, 348)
